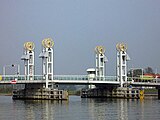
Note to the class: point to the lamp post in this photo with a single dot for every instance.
(18, 68)
(13, 65)
(156, 75)
(4, 69)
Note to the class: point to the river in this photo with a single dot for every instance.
(79, 109)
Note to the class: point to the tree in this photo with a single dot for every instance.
(135, 72)
(148, 70)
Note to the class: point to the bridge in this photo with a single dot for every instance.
(107, 83)
(59, 79)
(77, 80)
(95, 78)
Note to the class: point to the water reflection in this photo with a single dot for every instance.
(121, 109)
(37, 109)
(79, 109)
(122, 112)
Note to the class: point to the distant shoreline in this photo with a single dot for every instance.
(5, 94)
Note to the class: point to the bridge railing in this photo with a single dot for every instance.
(56, 77)
(141, 79)
(21, 77)
(106, 78)
(70, 77)
(84, 77)
(77, 77)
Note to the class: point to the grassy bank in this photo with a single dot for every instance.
(5, 90)
(150, 91)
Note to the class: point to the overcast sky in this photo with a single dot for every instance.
(77, 27)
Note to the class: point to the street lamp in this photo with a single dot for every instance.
(13, 65)
(18, 68)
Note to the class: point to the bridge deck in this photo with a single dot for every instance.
(60, 79)
(74, 79)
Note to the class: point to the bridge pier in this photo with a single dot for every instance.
(159, 93)
(113, 92)
(39, 92)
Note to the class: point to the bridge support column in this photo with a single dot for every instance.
(38, 92)
(101, 59)
(122, 58)
(159, 93)
(28, 58)
(47, 60)
(112, 92)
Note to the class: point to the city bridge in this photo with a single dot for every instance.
(77, 80)
(107, 81)
(59, 79)
(95, 78)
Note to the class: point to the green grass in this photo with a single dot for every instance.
(150, 91)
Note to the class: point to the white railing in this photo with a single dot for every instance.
(21, 77)
(76, 77)
(56, 77)
(145, 80)
(83, 77)
(70, 77)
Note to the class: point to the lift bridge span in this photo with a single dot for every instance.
(59, 79)
(75, 80)
(95, 77)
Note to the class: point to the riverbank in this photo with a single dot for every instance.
(150, 92)
(5, 94)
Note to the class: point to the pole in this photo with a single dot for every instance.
(156, 75)
(142, 72)
(132, 75)
(4, 70)
(18, 69)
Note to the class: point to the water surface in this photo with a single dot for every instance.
(79, 109)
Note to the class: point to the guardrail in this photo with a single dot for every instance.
(70, 77)
(140, 79)
(75, 77)
(56, 77)
(83, 77)
(21, 77)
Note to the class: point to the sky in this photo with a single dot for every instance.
(77, 27)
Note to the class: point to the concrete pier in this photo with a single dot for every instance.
(40, 94)
(37, 92)
(120, 92)
(159, 93)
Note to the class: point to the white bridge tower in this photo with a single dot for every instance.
(47, 60)
(100, 62)
(28, 57)
(122, 58)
